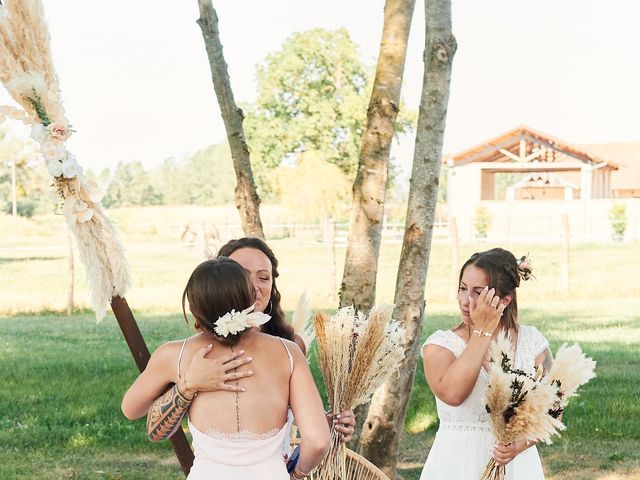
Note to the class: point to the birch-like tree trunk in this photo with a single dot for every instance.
(247, 200)
(385, 421)
(361, 263)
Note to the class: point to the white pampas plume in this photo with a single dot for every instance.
(26, 71)
(301, 321)
(103, 256)
(570, 370)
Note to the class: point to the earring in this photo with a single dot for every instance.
(270, 307)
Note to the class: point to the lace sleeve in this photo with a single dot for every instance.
(442, 338)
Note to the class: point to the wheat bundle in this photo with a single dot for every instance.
(357, 353)
(26, 71)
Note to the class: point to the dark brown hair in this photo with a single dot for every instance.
(214, 288)
(501, 267)
(278, 325)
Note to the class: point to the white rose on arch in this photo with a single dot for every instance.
(71, 167)
(53, 149)
(75, 210)
(55, 168)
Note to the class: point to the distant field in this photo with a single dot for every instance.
(34, 263)
(63, 378)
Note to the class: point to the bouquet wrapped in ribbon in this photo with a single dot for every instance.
(528, 407)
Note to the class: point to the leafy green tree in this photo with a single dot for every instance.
(210, 177)
(32, 179)
(312, 189)
(130, 186)
(312, 96)
(204, 178)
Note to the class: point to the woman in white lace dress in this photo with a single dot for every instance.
(455, 365)
(237, 436)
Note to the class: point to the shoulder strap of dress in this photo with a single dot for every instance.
(288, 354)
(180, 356)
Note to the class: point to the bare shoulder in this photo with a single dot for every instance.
(167, 353)
(300, 343)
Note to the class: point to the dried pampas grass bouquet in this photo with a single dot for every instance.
(357, 353)
(528, 407)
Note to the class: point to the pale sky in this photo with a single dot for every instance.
(137, 86)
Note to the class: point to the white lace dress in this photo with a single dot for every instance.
(464, 440)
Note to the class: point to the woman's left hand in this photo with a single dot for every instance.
(345, 423)
(503, 454)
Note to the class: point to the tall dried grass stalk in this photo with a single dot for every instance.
(357, 353)
(301, 321)
(357, 468)
(26, 71)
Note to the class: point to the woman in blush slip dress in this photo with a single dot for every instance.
(237, 435)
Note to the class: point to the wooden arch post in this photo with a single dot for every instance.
(141, 356)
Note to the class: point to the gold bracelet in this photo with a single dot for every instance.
(297, 471)
(482, 333)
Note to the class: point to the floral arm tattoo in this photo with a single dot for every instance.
(166, 413)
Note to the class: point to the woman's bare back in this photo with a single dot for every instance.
(261, 410)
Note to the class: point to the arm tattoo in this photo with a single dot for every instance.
(547, 361)
(165, 415)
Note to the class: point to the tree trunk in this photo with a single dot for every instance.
(365, 229)
(247, 200)
(385, 421)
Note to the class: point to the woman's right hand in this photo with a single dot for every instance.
(211, 375)
(486, 311)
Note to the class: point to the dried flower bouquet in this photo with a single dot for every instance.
(528, 407)
(357, 353)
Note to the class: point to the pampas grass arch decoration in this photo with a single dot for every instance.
(26, 71)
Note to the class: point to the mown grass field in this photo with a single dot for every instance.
(63, 378)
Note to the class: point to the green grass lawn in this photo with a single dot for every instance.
(63, 379)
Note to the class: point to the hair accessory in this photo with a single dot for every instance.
(233, 322)
(525, 269)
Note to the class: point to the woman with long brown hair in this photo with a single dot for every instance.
(455, 365)
(237, 435)
(208, 374)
